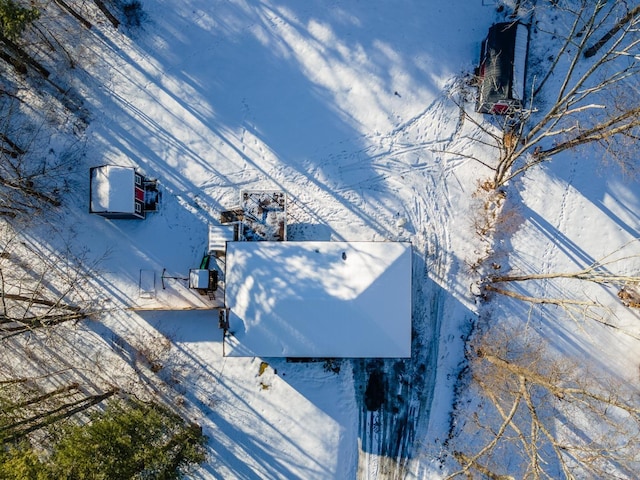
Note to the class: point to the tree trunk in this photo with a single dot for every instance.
(103, 8)
(40, 301)
(18, 66)
(542, 301)
(612, 126)
(465, 459)
(24, 56)
(592, 50)
(85, 23)
(45, 396)
(20, 429)
(12, 145)
(30, 192)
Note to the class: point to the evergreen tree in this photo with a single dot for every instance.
(21, 463)
(14, 18)
(129, 440)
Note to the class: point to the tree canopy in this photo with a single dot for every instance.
(129, 440)
(14, 18)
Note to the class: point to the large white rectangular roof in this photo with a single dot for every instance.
(113, 189)
(319, 299)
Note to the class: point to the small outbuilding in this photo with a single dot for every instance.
(502, 70)
(121, 192)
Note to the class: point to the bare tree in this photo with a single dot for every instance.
(74, 13)
(27, 410)
(631, 14)
(107, 13)
(620, 269)
(537, 414)
(33, 175)
(540, 416)
(40, 288)
(579, 101)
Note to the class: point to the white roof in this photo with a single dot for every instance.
(147, 283)
(219, 235)
(113, 189)
(520, 61)
(319, 299)
(198, 278)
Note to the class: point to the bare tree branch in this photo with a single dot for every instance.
(591, 51)
(583, 109)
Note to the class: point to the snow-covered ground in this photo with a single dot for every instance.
(342, 105)
(338, 105)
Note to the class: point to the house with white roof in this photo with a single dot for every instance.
(121, 192)
(318, 299)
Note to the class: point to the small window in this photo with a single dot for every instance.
(138, 179)
(138, 208)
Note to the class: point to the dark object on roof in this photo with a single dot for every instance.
(502, 69)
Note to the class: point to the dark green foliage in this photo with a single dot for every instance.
(14, 18)
(129, 440)
(21, 463)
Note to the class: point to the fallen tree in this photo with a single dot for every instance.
(620, 269)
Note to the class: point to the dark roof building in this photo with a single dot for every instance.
(502, 69)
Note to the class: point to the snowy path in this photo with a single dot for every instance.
(395, 396)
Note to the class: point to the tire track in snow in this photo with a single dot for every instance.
(395, 395)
